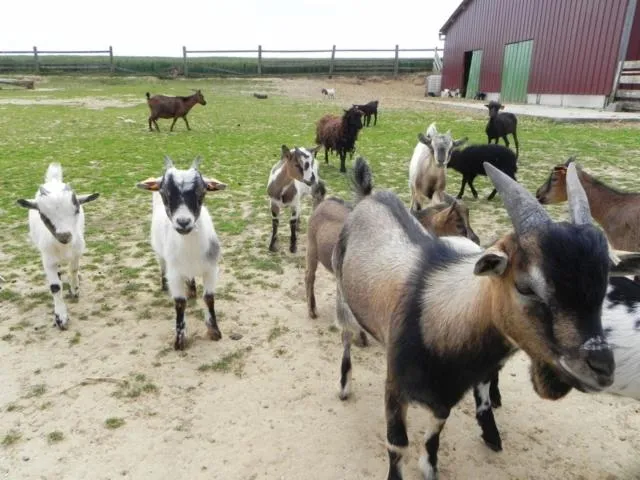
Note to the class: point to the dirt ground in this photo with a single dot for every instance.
(263, 406)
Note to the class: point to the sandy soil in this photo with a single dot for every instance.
(275, 413)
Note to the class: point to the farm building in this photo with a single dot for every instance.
(582, 53)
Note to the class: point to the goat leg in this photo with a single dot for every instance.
(461, 193)
(275, 213)
(506, 141)
(173, 123)
(397, 440)
(494, 391)
(150, 120)
(515, 140)
(61, 318)
(345, 366)
(429, 460)
(492, 194)
(343, 159)
(484, 416)
(74, 274)
(293, 246)
(473, 189)
(187, 122)
(310, 280)
(326, 155)
(163, 275)
(209, 279)
(181, 329)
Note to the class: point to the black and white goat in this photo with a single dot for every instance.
(450, 312)
(56, 228)
(184, 239)
(329, 92)
(289, 181)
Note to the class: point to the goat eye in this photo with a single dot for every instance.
(525, 290)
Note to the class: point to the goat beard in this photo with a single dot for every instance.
(548, 382)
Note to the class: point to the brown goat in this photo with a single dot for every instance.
(618, 213)
(449, 218)
(339, 134)
(172, 107)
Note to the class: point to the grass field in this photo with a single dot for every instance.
(112, 389)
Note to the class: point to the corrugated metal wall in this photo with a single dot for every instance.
(633, 50)
(575, 46)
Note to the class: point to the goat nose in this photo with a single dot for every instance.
(183, 222)
(63, 237)
(599, 356)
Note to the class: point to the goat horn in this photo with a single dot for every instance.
(196, 162)
(524, 210)
(168, 163)
(577, 197)
(43, 191)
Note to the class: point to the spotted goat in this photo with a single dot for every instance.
(56, 228)
(449, 312)
(290, 180)
(184, 239)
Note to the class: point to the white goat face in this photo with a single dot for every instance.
(307, 161)
(182, 193)
(441, 145)
(59, 209)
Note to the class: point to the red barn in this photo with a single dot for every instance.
(550, 52)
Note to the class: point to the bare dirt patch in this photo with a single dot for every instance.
(93, 103)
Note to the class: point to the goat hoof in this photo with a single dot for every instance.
(61, 322)
(313, 314)
(293, 248)
(273, 247)
(181, 341)
(214, 333)
(494, 444)
(361, 340)
(496, 402)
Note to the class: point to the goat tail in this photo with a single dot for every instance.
(54, 172)
(148, 95)
(362, 178)
(318, 192)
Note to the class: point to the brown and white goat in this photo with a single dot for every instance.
(617, 212)
(450, 312)
(162, 106)
(450, 218)
(289, 180)
(428, 167)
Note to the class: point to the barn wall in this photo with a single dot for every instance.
(575, 43)
(633, 51)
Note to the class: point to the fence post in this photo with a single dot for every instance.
(185, 68)
(35, 59)
(259, 59)
(396, 63)
(333, 58)
(111, 66)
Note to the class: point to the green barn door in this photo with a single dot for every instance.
(473, 84)
(515, 71)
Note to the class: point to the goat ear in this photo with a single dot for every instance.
(152, 184)
(313, 151)
(31, 204)
(87, 198)
(461, 141)
(285, 151)
(493, 262)
(424, 140)
(625, 263)
(213, 184)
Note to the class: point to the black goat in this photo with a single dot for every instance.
(480, 96)
(369, 109)
(469, 162)
(501, 124)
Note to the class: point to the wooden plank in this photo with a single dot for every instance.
(633, 64)
(634, 79)
(628, 94)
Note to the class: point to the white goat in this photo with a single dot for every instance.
(184, 239)
(329, 92)
(290, 180)
(56, 228)
(427, 170)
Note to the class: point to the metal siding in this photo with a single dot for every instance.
(474, 74)
(576, 43)
(515, 72)
(633, 51)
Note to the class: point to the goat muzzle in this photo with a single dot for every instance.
(63, 238)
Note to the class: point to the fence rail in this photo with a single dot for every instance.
(239, 62)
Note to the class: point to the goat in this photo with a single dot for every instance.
(369, 109)
(289, 181)
(470, 160)
(162, 106)
(450, 312)
(621, 329)
(328, 217)
(329, 92)
(617, 212)
(501, 124)
(184, 239)
(427, 169)
(480, 96)
(56, 228)
(339, 134)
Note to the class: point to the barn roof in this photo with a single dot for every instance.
(454, 16)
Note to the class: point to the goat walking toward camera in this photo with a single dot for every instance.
(163, 106)
(450, 312)
(289, 181)
(184, 239)
(339, 134)
(501, 124)
(427, 169)
(56, 228)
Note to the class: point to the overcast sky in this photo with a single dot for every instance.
(142, 27)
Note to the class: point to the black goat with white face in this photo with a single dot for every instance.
(184, 239)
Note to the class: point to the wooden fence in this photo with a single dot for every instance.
(194, 63)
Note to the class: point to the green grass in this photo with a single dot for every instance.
(231, 362)
(114, 422)
(12, 437)
(135, 386)
(55, 437)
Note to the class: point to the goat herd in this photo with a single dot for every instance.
(449, 312)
